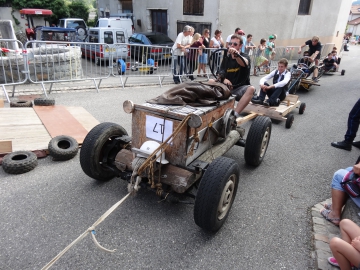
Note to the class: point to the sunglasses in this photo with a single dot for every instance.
(233, 43)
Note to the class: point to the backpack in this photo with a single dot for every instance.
(351, 184)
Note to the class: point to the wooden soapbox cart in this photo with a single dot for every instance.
(176, 151)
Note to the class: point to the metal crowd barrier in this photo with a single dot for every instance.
(12, 64)
(55, 62)
(143, 61)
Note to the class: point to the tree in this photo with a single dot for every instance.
(58, 7)
(78, 9)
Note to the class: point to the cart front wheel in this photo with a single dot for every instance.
(302, 108)
(216, 194)
(289, 121)
(257, 140)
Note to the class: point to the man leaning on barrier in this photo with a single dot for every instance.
(182, 43)
(235, 73)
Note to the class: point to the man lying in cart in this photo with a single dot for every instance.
(276, 92)
(235, 73)
(307, 66)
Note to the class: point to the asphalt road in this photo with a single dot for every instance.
(269, 226)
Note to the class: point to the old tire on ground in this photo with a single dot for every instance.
(343, 72)
(216, 194)
(289, 121)
(44, 101)
(99, 150)
(302, 108)
(19, 162)
(257, 140)
(63, 147)
(21, 103)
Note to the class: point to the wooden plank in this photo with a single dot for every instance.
(84, 117)
(18, 117)
(292, 98)
(58, 121)
(27, 137)
(5, 147)
(241, 120)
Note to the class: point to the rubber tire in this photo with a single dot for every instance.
(91, 150)
(302, 108)
(19, 162)
(44, 102)
(257, 140)
(210, 191)
(21, 104)
(22, 38)
(83, 28)
(343, 72)
(289, 121)
(63, 147)
(97, 61)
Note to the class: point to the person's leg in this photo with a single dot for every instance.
(175, 62)
(344, 253)
(245, 99)
(353, 122)
(181, 64)
(274, 94)
(349, 230)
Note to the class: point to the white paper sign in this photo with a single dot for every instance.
(158, 129)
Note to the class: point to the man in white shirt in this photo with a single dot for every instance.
(228, 39)
(239, 32)
(182, 42)
(276, 92)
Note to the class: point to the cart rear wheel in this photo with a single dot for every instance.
(302, 108)
(216, 194)
(343, 72)
(99, 150)
(257, 140)
(289, 121)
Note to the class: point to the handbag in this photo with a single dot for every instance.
(351, 184)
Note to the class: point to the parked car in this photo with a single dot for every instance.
(114, 40)
(117, 22)
(55, 34)
(78, 24)
(149, 46)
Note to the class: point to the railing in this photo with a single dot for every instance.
(44, 62)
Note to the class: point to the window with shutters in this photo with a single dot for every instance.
(193, 7)
(304, 7)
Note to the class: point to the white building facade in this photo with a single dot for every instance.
(293, 21)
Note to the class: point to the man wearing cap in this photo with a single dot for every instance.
(182, 42)
(235, 73)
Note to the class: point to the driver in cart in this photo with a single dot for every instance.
(305, 65)
(235, 73)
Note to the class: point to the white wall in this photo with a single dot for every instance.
(142, 11)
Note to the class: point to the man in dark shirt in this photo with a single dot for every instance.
(235, 67)
(314, 49)
(329, 62)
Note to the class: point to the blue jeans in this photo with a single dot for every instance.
(353, 122)
(178, 60)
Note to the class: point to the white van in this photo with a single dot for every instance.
(77, 23)
(113, 37)
(117, 22)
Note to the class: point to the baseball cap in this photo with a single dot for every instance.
(271, 37)
(241, 32)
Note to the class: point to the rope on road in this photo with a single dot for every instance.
(89, 230)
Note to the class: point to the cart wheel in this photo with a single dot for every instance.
(302, 108)
(343, 72)
(257, 140)
(294, 87)
(216, 194)
(289, 121)
(99, 150)
(97, 61)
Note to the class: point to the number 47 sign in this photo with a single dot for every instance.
(158, 129)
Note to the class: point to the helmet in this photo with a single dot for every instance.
(271, 37)
(149, 147)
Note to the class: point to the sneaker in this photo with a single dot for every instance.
(314, 79)
(333, 261)
(256, 101)
(266, 103)
(278, 101)
(342, 145)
